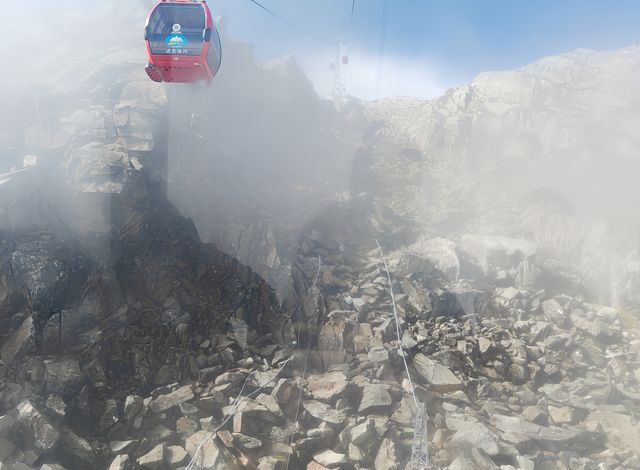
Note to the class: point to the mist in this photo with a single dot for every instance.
(254, 273)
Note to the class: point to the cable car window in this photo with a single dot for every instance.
(214, 55)
(177, 29)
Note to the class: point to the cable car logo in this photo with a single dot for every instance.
(177, 41)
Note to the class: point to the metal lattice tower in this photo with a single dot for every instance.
(339, 86)
(420, 447)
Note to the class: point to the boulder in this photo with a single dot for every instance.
(36, 428)
(20, 342)
(553, 312)
(622, 431)
(375, 397)
(323, 412)
(330, 459)
(209, 454)
(327, 387)
(441, 379)
(75, 448)
(121, 462)
(522, 434)
(285, 391)
(246, 443)
(154, 459)
(388, 456)
(430, 258)
(7, 448)
(471, 431)
(6, 425)
(176, 456)
(63, 377)
(168, 401)
(495, 257)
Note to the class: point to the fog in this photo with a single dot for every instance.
(264, 146)
(489, 207)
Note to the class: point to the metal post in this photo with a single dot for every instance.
(339, 86)
(420, 447)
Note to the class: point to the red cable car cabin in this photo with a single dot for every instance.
(182, 43)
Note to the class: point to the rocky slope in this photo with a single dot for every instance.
(129, 344)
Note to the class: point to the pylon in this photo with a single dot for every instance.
(420, 446)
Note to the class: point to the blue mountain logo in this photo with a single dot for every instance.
(177, 41)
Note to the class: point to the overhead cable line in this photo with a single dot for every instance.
(353, 8)
(285, 21)
(383, 44)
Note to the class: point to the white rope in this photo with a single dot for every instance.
(395, 315)
(304, 369)
(315, 281)
(232, 412)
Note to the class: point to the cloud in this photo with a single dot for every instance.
(368, 78)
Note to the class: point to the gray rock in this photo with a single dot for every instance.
(327, 387)
(52, 466)
(6, 448)
(388, 456)
(462, 463)
(562, 414)
(378, 354)
(271, 463)
(154, 459)
(185, 427)
(405, 414)
(330, 459)
(120, 462)
(166, 402)
(6, 425)
(36, 428)
(553, 312)
(270, 404)
(474, 460)
(375, 397)
(21, 466)
(364, 433)
(246, 443)
(323, 412)
(470, 430)
(97, 168)
(285, 391)
(434, 257)
(63, 377)
(122, 446)
(233, 378)
(521, 433)
(176, 455)
(110, 415)
(252, 409)
(622, 431)
(210, 455)
(133, 406)
(535, 415)
(20, 342)
(56, 405)
(75, 448)
(494, 256)
(440, 378)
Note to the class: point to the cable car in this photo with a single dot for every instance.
(183, 44)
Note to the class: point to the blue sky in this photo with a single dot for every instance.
(439, 43)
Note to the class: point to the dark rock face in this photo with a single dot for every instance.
(105, 289)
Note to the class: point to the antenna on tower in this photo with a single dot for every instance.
(339, 86)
